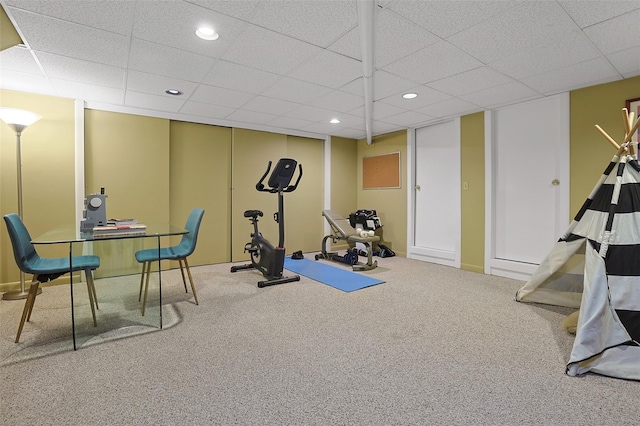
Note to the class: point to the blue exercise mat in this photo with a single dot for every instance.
(330, 275)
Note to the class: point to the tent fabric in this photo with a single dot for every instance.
(594, 266)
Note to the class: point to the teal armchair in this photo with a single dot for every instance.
(45, 269)
(180, 253)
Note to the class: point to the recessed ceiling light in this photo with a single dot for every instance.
(173, 92)
(334, 121)
(207, 33)
(409, 95)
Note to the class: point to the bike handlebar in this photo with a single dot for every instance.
(289, 188)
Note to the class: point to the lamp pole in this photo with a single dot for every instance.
(18, 120)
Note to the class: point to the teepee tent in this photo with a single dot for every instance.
(596, 266)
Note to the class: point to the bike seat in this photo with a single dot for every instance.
(253, 213)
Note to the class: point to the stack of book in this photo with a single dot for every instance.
(119, 228)
(121, 222)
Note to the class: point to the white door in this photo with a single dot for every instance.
(528, 188)
(436, 194)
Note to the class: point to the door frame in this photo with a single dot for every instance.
(512, 269)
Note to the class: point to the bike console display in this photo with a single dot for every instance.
(281, 176)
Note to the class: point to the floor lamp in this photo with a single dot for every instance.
(18, 120)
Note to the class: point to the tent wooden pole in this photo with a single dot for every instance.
(607, 137)
(627, 120)
(632, 131)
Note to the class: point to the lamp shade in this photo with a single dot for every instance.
(18, 119)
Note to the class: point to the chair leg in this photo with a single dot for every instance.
(92, 297)
(93, 288)
(193, 288)
(184, 282)
(146, 289)
(28, 305)
(144, 267)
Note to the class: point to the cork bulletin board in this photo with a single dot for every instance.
(381, 171)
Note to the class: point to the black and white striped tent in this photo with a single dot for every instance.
(596, 266)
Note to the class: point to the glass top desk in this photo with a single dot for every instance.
(117, 281)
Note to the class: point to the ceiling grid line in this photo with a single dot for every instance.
(305, 58)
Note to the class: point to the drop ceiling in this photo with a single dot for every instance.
(291, 66)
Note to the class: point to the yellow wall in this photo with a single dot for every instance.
(200, 176)
(150, 172)
(303, 207)
(344, 175)
(128, 155)
(47, 174)
(390, 204)
(590, 152)
(472, 199)
(8, 35)
(251, 152)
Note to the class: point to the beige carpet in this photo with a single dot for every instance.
(432, 346)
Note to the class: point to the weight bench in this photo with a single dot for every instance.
(341, 229)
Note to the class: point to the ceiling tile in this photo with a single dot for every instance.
(293, 64)
(115, 16)
(426, 96)
(23, 82)
(322, 128)
(62, 67)
(339, 101)
(595, 71)
(408, 118)
(205, 109)
(380, 127)
(626, 62)
(294, 90)
(445, 18)
(443, 60)
(270, 105)
(219, 96)
(524, 26)
(18, 58)
(156, 84)
(607, 35)
(470, 81)
(380, 111)
(386, 84)
(348, 133)
(289, 122)
(397, 37)
(569, 49)
(73, 89)
(328, 69)
(449, 108)
(316, 22)
(587, 13)
(348, 45)
(356, 87)
(154, 58)
(237, 9)
(269, 51)
(238, 77)
(244, 116)
(76, 41)
(152, 102)
(313, 114)
(174, 24)
(501, 95)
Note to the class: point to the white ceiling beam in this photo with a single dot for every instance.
(366, 23)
